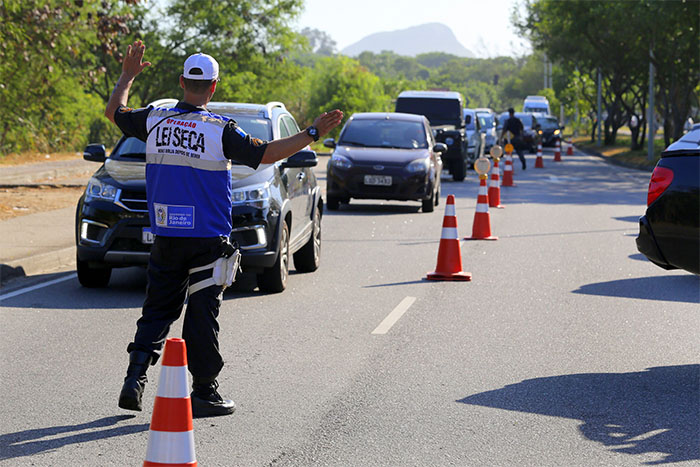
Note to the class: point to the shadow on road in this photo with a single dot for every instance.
(30, 442)
(676, 288)
(363, 209)
(651, 411)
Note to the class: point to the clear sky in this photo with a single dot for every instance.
(482, 26)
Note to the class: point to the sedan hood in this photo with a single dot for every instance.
(385, 156)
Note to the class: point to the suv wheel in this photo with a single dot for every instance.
(92, 277)
(274, 279)
(459, 170)
(333, 203)
(308, 258)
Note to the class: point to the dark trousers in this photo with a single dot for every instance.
(518, 145)
(168, 280)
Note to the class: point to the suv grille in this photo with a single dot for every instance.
(134, 201)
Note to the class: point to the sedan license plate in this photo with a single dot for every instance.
(147, 236)
(378, 180)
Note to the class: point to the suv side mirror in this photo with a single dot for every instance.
(304, 158)
(329, 143)
(468, 119)
(440, 147)
(95, 153)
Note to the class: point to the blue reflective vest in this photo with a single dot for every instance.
(188, 179)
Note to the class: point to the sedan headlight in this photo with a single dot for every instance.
(419, 166)
(449, 141)
(97, 189)
(256, 195)
(556, 132)
(340, 162)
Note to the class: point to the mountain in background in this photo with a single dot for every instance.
(431, 37)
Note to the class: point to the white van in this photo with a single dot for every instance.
(538, 104)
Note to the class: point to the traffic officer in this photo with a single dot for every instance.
(515, 126)
(188, 185)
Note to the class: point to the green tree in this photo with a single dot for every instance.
(341, 82)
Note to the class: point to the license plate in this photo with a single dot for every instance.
(378, 180)
(147, 236)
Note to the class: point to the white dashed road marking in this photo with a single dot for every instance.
(394, 316)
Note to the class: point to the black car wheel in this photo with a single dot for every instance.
(308, 258)
(333, 203)
(429, 204)
(92, 277)
(274, 279)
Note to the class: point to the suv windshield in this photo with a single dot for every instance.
(548, 123)
(438, 111)
(384, 134)
(134, 148)
(486, 120)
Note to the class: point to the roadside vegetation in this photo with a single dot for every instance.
(61, 58)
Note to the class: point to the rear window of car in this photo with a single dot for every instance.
(384, 134)
(438, 111)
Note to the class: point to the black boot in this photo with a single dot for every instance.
(135, 381)
(206, 401)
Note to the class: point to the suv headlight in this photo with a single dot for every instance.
(341, 162)
(419, 165)
(256, 195)
(97, 189)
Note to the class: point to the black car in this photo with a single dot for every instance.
(669, 232)
(390, 156)
(276, 211)
(548, 129)
(444, 110)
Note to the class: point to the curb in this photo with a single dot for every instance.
(37, 264)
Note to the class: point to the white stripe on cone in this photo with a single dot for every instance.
(173, 382)
(450, 210)
(482, 207)
(449, 233)
(483, 190)
(167, 447)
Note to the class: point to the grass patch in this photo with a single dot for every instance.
(621, 154)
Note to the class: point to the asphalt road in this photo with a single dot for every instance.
(566, 348)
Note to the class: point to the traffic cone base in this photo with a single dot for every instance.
(570, 149)
(449, 262)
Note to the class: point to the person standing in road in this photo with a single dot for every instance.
(515, 126)
(188, 185)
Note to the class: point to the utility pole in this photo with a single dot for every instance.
(600, 105)
(545, 72)
(650, 118)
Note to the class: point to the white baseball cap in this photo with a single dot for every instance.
(202, 67)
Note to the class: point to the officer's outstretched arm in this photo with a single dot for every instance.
(131, 67)
(285, 147)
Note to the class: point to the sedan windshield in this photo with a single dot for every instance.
(384, 134)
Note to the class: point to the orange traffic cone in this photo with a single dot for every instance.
(539, 164)
(495, 187)
(171, 436)
(481, 228)
(557, 151)
(508, 171)
(570, 149)
(449, 262)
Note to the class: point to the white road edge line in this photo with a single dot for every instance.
(38, 286)
(394, 316)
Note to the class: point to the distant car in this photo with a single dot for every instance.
(487, 121)
(276, 211)
(669, 232)
(473, 129)
(549, 130)
(536, 104)
(529, 136)
(392, 156)
(444, 112)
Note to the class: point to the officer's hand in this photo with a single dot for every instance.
(327, 121)
(132, 65)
